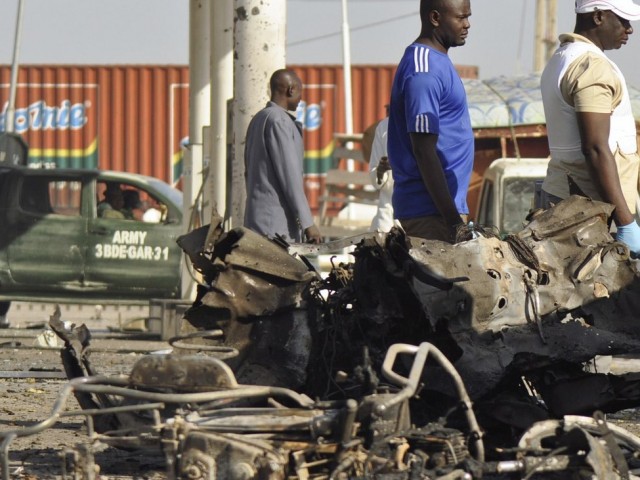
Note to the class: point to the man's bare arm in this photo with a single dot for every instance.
(594, 133)
(424, 150)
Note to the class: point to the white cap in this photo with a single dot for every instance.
(623, 8)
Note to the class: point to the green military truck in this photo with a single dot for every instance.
(56, 246)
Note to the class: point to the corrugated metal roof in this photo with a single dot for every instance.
(514, 101)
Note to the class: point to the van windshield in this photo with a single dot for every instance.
(518, 200)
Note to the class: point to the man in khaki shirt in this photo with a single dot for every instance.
(590, 124)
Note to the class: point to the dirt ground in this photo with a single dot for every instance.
(24, 401)
(26, 352)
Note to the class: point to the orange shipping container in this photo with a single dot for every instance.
(135, 118)
(129, 118)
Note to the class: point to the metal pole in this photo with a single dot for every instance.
(11, 108)
(259, 47)
(215, 192)
(348, 89)
(346, 67)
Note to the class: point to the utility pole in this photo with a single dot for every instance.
(546, 32)
(346, 66)
(15, 64)
(259, 48)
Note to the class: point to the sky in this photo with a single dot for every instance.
(156, 32)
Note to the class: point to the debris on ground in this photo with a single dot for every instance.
(490, 358)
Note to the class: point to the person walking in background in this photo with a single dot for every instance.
(381, 178)
(590, 124)
(276, 203)
(367, 140)
(430, 140)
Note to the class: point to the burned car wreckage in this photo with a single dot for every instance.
(489, 358)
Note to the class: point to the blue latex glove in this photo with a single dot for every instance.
(630, 236)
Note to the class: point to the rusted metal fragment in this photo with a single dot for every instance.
(486, 361)
(601, 445)
(76, 361)
(272, 350)
(256, 296)
(254, 276)
(494, 295)
(538, 304)
(193, 244)
(577, 255)
(190, 373)
(563, 260)
(230, 456)
(75, 355)
(278, 351)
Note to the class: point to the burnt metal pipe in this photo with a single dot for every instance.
(117, 385)
(410, 385)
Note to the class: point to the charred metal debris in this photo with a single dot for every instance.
(491, 358)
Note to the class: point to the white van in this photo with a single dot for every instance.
(508, 191)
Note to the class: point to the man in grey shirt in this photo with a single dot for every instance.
(276, 202)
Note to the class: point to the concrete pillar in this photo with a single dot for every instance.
(552, 30)
(259, 47)
(215, 190)
(199, 116)
(545, 33)
(541, 26)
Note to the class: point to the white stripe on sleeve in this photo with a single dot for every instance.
(421, 59)
(421, 64)
(422, 124)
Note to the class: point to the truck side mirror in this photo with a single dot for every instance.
(14, 151)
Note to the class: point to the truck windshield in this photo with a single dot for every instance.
(168, 191)
(517, 201)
